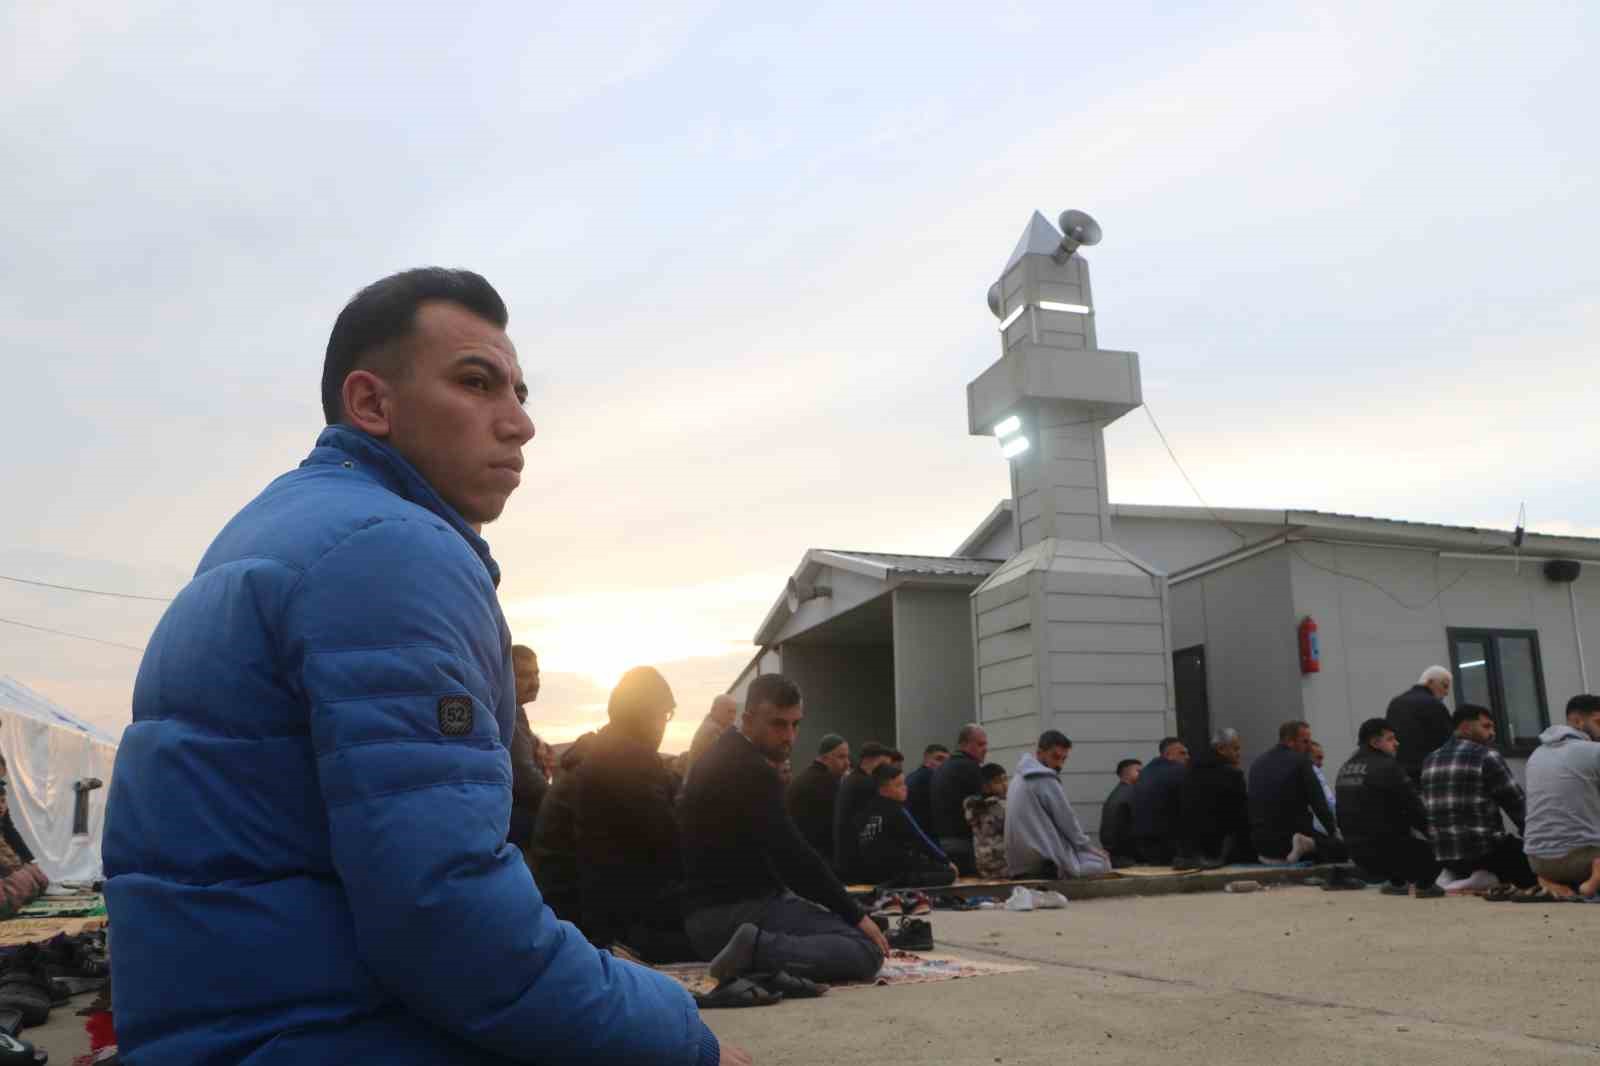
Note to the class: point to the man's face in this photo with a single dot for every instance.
(1130, 774)
(1232, 751)
(872, 762)
(895, 790)
(837, 761)
(936, 760)
(1179, 753)
(457, 413)
(1055, 758)
(1387, 743)
(1316, 754)
(977, 746)
(723, 710)
(1479, 729)
(1440, 688)
(1301, 741)
(772, 730)
(526, 668)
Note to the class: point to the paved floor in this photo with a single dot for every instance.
(1291, 975)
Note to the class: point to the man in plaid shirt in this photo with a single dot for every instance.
(1465, 785)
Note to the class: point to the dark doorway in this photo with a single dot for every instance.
(1194, 713)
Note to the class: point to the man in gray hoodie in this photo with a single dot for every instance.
(1043, 836)
(1562, 835)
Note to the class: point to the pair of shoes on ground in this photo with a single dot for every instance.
(916, 904)
(1400, 888)
(758, 990)
(1343, 880)
(911, 934)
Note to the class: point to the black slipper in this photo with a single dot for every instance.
(789, 986)
(737, 992)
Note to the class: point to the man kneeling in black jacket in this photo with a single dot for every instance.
(1380, 814)
(890, 847)
(759, 898)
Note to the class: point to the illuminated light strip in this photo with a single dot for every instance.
(1014, 447)
(1051, 305)
(1005, 323)
(1476, 662)
(1007, 426)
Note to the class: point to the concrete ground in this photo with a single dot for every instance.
(1290, 975)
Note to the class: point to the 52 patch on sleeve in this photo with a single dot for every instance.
(455, 715)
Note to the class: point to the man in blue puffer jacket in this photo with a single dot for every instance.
(305, 842)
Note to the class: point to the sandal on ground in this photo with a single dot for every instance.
(1536, 894)
(737, 992)
(788, 985)
(1500, 893)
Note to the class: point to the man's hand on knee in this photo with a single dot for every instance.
(874, 934)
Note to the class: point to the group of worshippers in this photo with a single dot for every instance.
(697, 858)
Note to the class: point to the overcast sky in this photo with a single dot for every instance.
(746, 255)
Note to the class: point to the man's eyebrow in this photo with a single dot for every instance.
(494, 370)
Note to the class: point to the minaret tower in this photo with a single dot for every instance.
(1072, 631)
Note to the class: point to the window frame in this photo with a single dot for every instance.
(1490, 639)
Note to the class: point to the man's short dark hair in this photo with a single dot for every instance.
(365, 333)
(1584, 703)
(1290, 730)
(1372, 729)
(873, 750)
(1125, 763)
(896, 755)
(829, 742)
(771, 688)
(882, 775)
(934, 749)
(1166, 743)
(1470, 712)
(991, 771)
(1053, 738)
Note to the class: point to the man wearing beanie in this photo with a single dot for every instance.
(815, 791)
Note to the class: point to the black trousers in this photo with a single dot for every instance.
(1396, 859)
(1276, 846)
(1505, 860)
(960, 851)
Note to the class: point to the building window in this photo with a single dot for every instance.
(1500, 669)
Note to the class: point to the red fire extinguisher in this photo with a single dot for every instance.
(1310, 647)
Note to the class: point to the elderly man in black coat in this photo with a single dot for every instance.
(1420, 720)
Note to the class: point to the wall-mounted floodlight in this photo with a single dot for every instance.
(1007, 426)
(1014, 447)
(1008, 431)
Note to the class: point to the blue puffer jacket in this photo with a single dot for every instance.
(304, 841)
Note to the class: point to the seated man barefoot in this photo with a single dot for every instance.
(1284, 794)
(1465, 785)
(758, 897)
(986, 814)
(1562, 839)
(1381, 815)
(630, 866)
(1043, 835)
(891, 849)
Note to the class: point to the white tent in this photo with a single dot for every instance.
(48, 754)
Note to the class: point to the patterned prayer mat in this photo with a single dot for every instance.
(15, 931)
(900, 968)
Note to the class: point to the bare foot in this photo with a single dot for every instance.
(1591, 886)
(1556, 888)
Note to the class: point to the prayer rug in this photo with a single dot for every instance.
(17, 931)
(900, 968)
(87, 906)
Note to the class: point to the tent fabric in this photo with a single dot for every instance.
(47, 752)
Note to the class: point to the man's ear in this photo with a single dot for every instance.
(367, 402)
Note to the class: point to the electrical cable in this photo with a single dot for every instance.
(1298, 554)
(74, 636)
(85, 591)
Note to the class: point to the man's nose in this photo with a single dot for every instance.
(517, 425)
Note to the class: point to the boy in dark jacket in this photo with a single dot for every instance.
(855, 790)
(893, 850)
(1380, 815)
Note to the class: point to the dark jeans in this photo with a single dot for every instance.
(796, 935)
(959, 849)
(1276, 846)
(1505, 860)
(1396, 859)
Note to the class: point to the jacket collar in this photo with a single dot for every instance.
(344, 446)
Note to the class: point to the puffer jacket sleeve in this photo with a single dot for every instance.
(395, 638)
